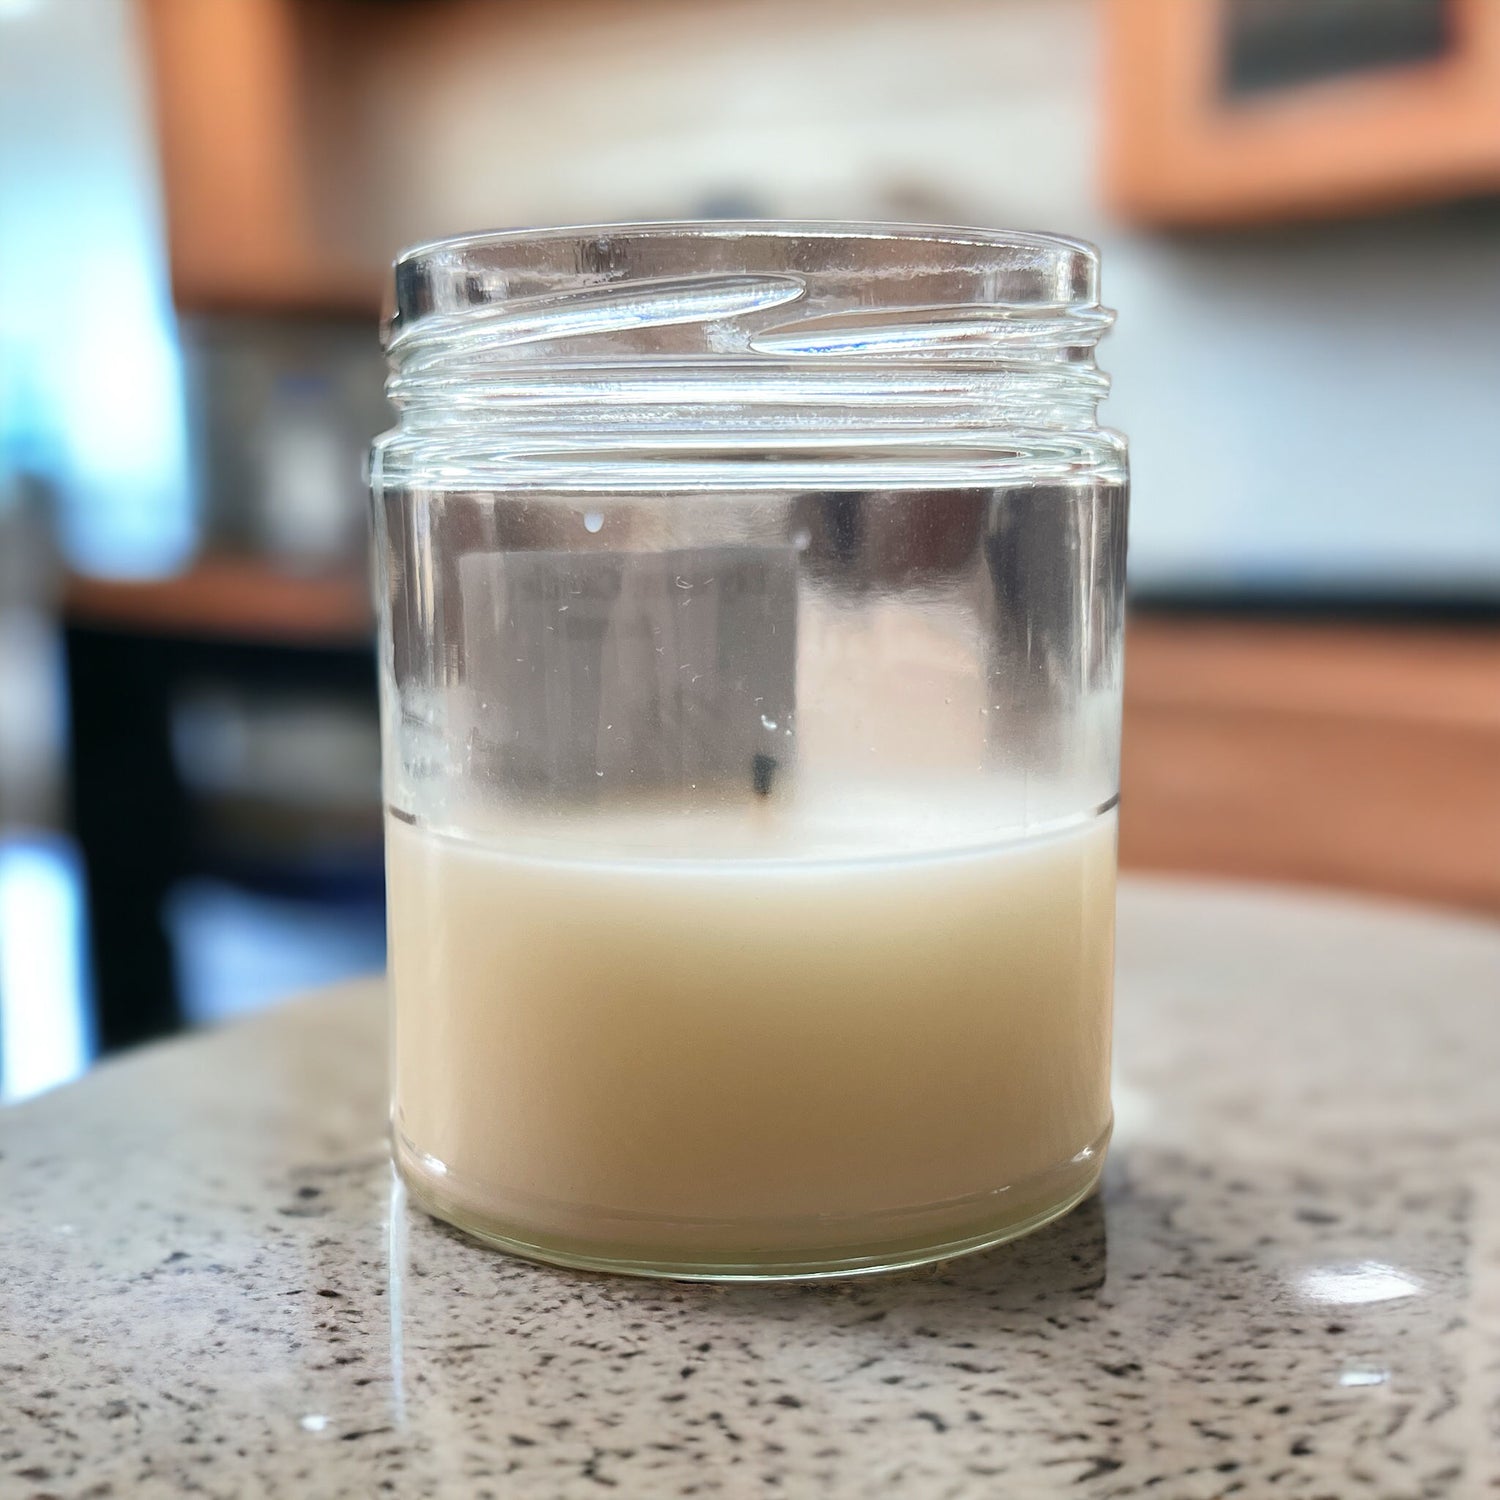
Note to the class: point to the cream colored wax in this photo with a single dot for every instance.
(751, 1058)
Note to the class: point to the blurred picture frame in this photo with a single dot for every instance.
(1222, 113)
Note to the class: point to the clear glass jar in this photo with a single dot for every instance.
(750, 671)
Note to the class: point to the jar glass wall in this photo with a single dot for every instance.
(750, 671)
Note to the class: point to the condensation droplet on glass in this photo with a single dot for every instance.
(593, 521)
(769, 723)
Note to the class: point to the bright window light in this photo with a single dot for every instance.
(44, 1034)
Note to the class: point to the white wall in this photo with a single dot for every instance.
(1319, 408)
(592, 109)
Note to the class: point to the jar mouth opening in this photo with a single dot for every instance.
(737, 229)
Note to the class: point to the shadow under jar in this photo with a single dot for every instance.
(750, 617)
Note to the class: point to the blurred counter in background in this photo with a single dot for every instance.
(224, 739)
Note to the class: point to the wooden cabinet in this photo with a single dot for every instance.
(1221, 113)
(1358, 756)
(255, 188)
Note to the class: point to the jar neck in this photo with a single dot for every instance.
(766, 336)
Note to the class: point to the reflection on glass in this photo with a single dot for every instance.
(395, 1244)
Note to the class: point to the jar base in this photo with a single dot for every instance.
(908, 1240)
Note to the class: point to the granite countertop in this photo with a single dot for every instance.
(1290, 1285)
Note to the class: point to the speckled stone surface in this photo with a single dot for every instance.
(1290, 1285)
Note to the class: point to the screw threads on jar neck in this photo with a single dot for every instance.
(740, 333)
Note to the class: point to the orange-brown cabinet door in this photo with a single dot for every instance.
(245, 179)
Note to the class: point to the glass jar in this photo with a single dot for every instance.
(750, 615)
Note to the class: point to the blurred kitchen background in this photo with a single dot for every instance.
(1299, 207)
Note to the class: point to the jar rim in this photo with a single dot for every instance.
(755, 264)
(862, 229)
